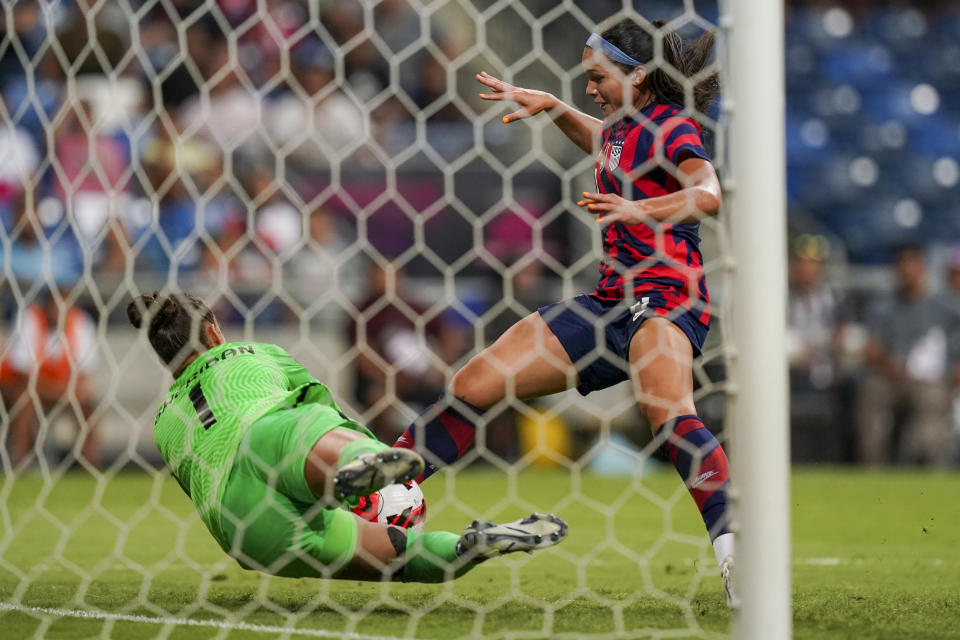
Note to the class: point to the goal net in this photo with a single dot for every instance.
(323, 174)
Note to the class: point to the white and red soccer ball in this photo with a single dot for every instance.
(402, 505)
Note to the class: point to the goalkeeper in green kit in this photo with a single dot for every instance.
(272, 464)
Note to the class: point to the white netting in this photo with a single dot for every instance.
(323, 174)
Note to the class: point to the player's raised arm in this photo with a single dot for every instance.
(578, 126)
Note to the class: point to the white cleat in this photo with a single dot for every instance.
(728, 575)
(371, 472)
(536, 531)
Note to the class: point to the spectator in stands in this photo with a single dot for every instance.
(19, 160)
(951, 296)
(40, 249)
(91, 180)
(395, 362)
(903, 401)
(229, 115)
(318, 123)
(24, 24)
(46, 371)
(31, 100)
(818, 429)
(312, 270)
(277, 222)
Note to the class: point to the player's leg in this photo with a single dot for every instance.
(313, 452)
(875, 402)
(280, 511)
(528, 360)
(661, 359)
(22, 412)
(927, 436)
(267, 531)
(87, 423)
(438, 556)
(345, 462)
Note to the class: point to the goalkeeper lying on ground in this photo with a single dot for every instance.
(270, 462)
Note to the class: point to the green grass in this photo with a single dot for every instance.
(876, 555)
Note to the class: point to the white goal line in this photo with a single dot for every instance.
(217, 624)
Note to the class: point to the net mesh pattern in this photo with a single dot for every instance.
(322, 174)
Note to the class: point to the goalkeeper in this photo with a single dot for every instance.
(269, 460)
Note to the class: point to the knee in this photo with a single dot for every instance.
(478, 383)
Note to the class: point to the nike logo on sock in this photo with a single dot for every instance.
(700, 479)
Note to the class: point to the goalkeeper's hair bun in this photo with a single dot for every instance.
(174, 324)
(139, 307)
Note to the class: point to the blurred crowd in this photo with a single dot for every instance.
(875, 378)
(212, 144)
(280, 163)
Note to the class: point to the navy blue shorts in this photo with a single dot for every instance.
(581, 322)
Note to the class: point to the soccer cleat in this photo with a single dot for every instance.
(536, 531)
(371, 472)
(727, 574)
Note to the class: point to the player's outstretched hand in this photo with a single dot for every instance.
(613, 208)
(530, 101)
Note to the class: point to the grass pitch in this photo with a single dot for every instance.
(876, 555)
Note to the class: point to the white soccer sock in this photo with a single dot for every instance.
(723, 547)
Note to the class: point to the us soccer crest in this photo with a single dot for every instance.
(613, 161)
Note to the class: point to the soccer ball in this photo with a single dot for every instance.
(402, 505)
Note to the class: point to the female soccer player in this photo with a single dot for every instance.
(654, 182)
(268, 460)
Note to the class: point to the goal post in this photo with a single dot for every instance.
(756, 206)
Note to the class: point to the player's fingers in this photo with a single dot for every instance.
(607, 219)
(600, 197)
(585, 198)
(494, 83)
(519, 114)
(493, 96)
(599, 207)
(486, 80)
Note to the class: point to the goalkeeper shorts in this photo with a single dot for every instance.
(575, 323)
(271, 519)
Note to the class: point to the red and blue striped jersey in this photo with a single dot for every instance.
(638, 159)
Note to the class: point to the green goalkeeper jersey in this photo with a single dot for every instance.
(211, 405)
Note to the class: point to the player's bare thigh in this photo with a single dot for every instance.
(661, 366)
(526, 361)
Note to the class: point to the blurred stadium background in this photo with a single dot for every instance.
(162, 144)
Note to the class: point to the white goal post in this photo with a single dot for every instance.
(756, 206)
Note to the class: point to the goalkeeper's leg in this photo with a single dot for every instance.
(311, 452)
(346, 463)
(438, 556)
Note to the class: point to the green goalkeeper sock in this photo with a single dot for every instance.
(358, 447)
(432, 557)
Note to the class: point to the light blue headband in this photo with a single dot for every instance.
(597, 42)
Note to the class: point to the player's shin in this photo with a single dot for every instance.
(443, 433)
(702, 463)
